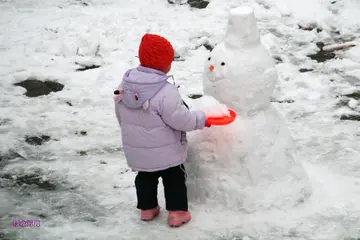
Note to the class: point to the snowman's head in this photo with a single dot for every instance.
(217, 64)
(239, 71)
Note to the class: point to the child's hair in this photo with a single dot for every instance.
(155, 52)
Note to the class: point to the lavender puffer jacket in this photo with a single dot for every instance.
(153, 120)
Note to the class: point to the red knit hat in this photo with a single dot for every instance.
(155, 52)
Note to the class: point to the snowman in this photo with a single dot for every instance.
(250, 164)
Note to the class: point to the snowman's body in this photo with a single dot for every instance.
(251, 163)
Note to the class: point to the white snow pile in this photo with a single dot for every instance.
(211, 107)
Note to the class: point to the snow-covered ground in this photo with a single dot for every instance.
(82, 188)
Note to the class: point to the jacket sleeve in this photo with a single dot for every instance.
(175, 114)
(117, 112)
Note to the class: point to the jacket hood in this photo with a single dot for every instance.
(141, 84)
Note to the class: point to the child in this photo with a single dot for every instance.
(154, 122)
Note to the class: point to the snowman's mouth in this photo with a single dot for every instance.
(213, 79)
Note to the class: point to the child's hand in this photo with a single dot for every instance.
(207, 124)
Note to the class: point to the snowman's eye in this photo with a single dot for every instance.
(209, 58)
(222, 64)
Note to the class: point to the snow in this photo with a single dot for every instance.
(97, 201)
(211, 107)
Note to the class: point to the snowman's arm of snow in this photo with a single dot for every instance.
(175, 114)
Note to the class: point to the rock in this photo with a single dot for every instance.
(40, 215)
(327, 51)
(302, 70)
(208, 47)
(180, 2)
(354, 95)
(277, 59)
(82, 153)
(35, 140)
(103, 162)
(36, 88)
(283, 101)
(195, 96)
(342, 103)
(179, 59)
(82, 133)
(198, 3)
(69, 103)
(322, 56)
(193, 3)
(85, 68)
(310, 28)
(89, 219)
(350, 117)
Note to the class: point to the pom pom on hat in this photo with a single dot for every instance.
(155, 52)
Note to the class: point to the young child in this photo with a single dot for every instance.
(154, 122)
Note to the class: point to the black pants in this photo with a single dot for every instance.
(174, 188)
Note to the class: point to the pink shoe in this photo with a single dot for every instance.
(148, 215)
(177, 218)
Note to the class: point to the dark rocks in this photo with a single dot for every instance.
(310, 28)
(178, 59)
(326, 52)
(37, 140)
(85, 68)
(277, 59)
(350, 117)
(31, 179)
(82, 153)
(69, 103)
(322, 56)
(302, 70)
(354, 95)
(179, 2)
(39, 215)
(195, 96)
(103, 162)
(36, 88)
(82, 133)
(208, 47)
(283, 101)
(193, 3)
(79, 2)
(198, 3)
(89, 219)
(342, 103)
